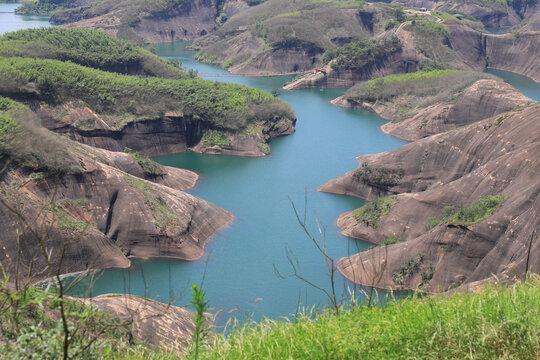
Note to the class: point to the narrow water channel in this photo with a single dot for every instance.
(238, 267)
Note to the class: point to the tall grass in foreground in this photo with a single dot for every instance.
(497, 323)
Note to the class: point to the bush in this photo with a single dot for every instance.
(370, 213)
(128, 98)
(410, 267)
(392, 240)
(215, 138)
(474, 214)
(435, 84)
(357, 55)
(87, 47)
(149, 166)
(379, 177)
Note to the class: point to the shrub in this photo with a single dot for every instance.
(87, 47)
(392, 240)
(410, 267)
(474, 214)
(215, 138)
(357, 55)
(370, 213)
(378, 176)
(149, 166)
(227, 106)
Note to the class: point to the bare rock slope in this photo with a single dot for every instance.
(439, 178)
(101, 215)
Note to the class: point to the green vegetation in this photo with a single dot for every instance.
(497, 322)
(377, 176)
(87, 47)
(128, 98)
(42, 7)
(215, 138)
(430, 38)
(392, 240)
(264, 148)
(370, 213)
(18, 128)
(468, 216)
(31, 329)
(362, 53)
(477, 212)
(162, 213)
(149, 166)
(304, 25)
(435, 85)
(410, 267)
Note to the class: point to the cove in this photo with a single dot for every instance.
(240, 260)
(238, 267)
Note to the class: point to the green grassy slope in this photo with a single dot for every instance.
(87, 47)
(128, 98)
(496, 323)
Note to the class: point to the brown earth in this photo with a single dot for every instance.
(103, 215)
(483, 99)
(173, 133)
(496, 156)
(167, 326)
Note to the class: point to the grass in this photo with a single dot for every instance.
(370, 213)
(410, 267)
(128, 98)
(470, 215)
(499, 322)
(87, 47)
(433, 85)
(163, 215)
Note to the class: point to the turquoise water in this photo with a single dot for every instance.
(258, 191)
(526, 85)
(11, 22)
(238, 267)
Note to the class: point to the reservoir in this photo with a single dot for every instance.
(240, 262)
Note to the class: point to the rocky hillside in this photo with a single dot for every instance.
(432, 102)
(517, 53)
(154, 115)
(444, 44)
(149, 21)
(280, 36)
(456, 207)
(96, 206)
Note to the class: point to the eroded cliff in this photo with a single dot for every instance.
(463, 206)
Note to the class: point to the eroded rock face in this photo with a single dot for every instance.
(511, 52)
(171, 134)
(167, 326)
(481, 100)
(182, 22)
(497, 156)
(102, 215)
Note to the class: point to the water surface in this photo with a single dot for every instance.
(11, 22)
(240, 260)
